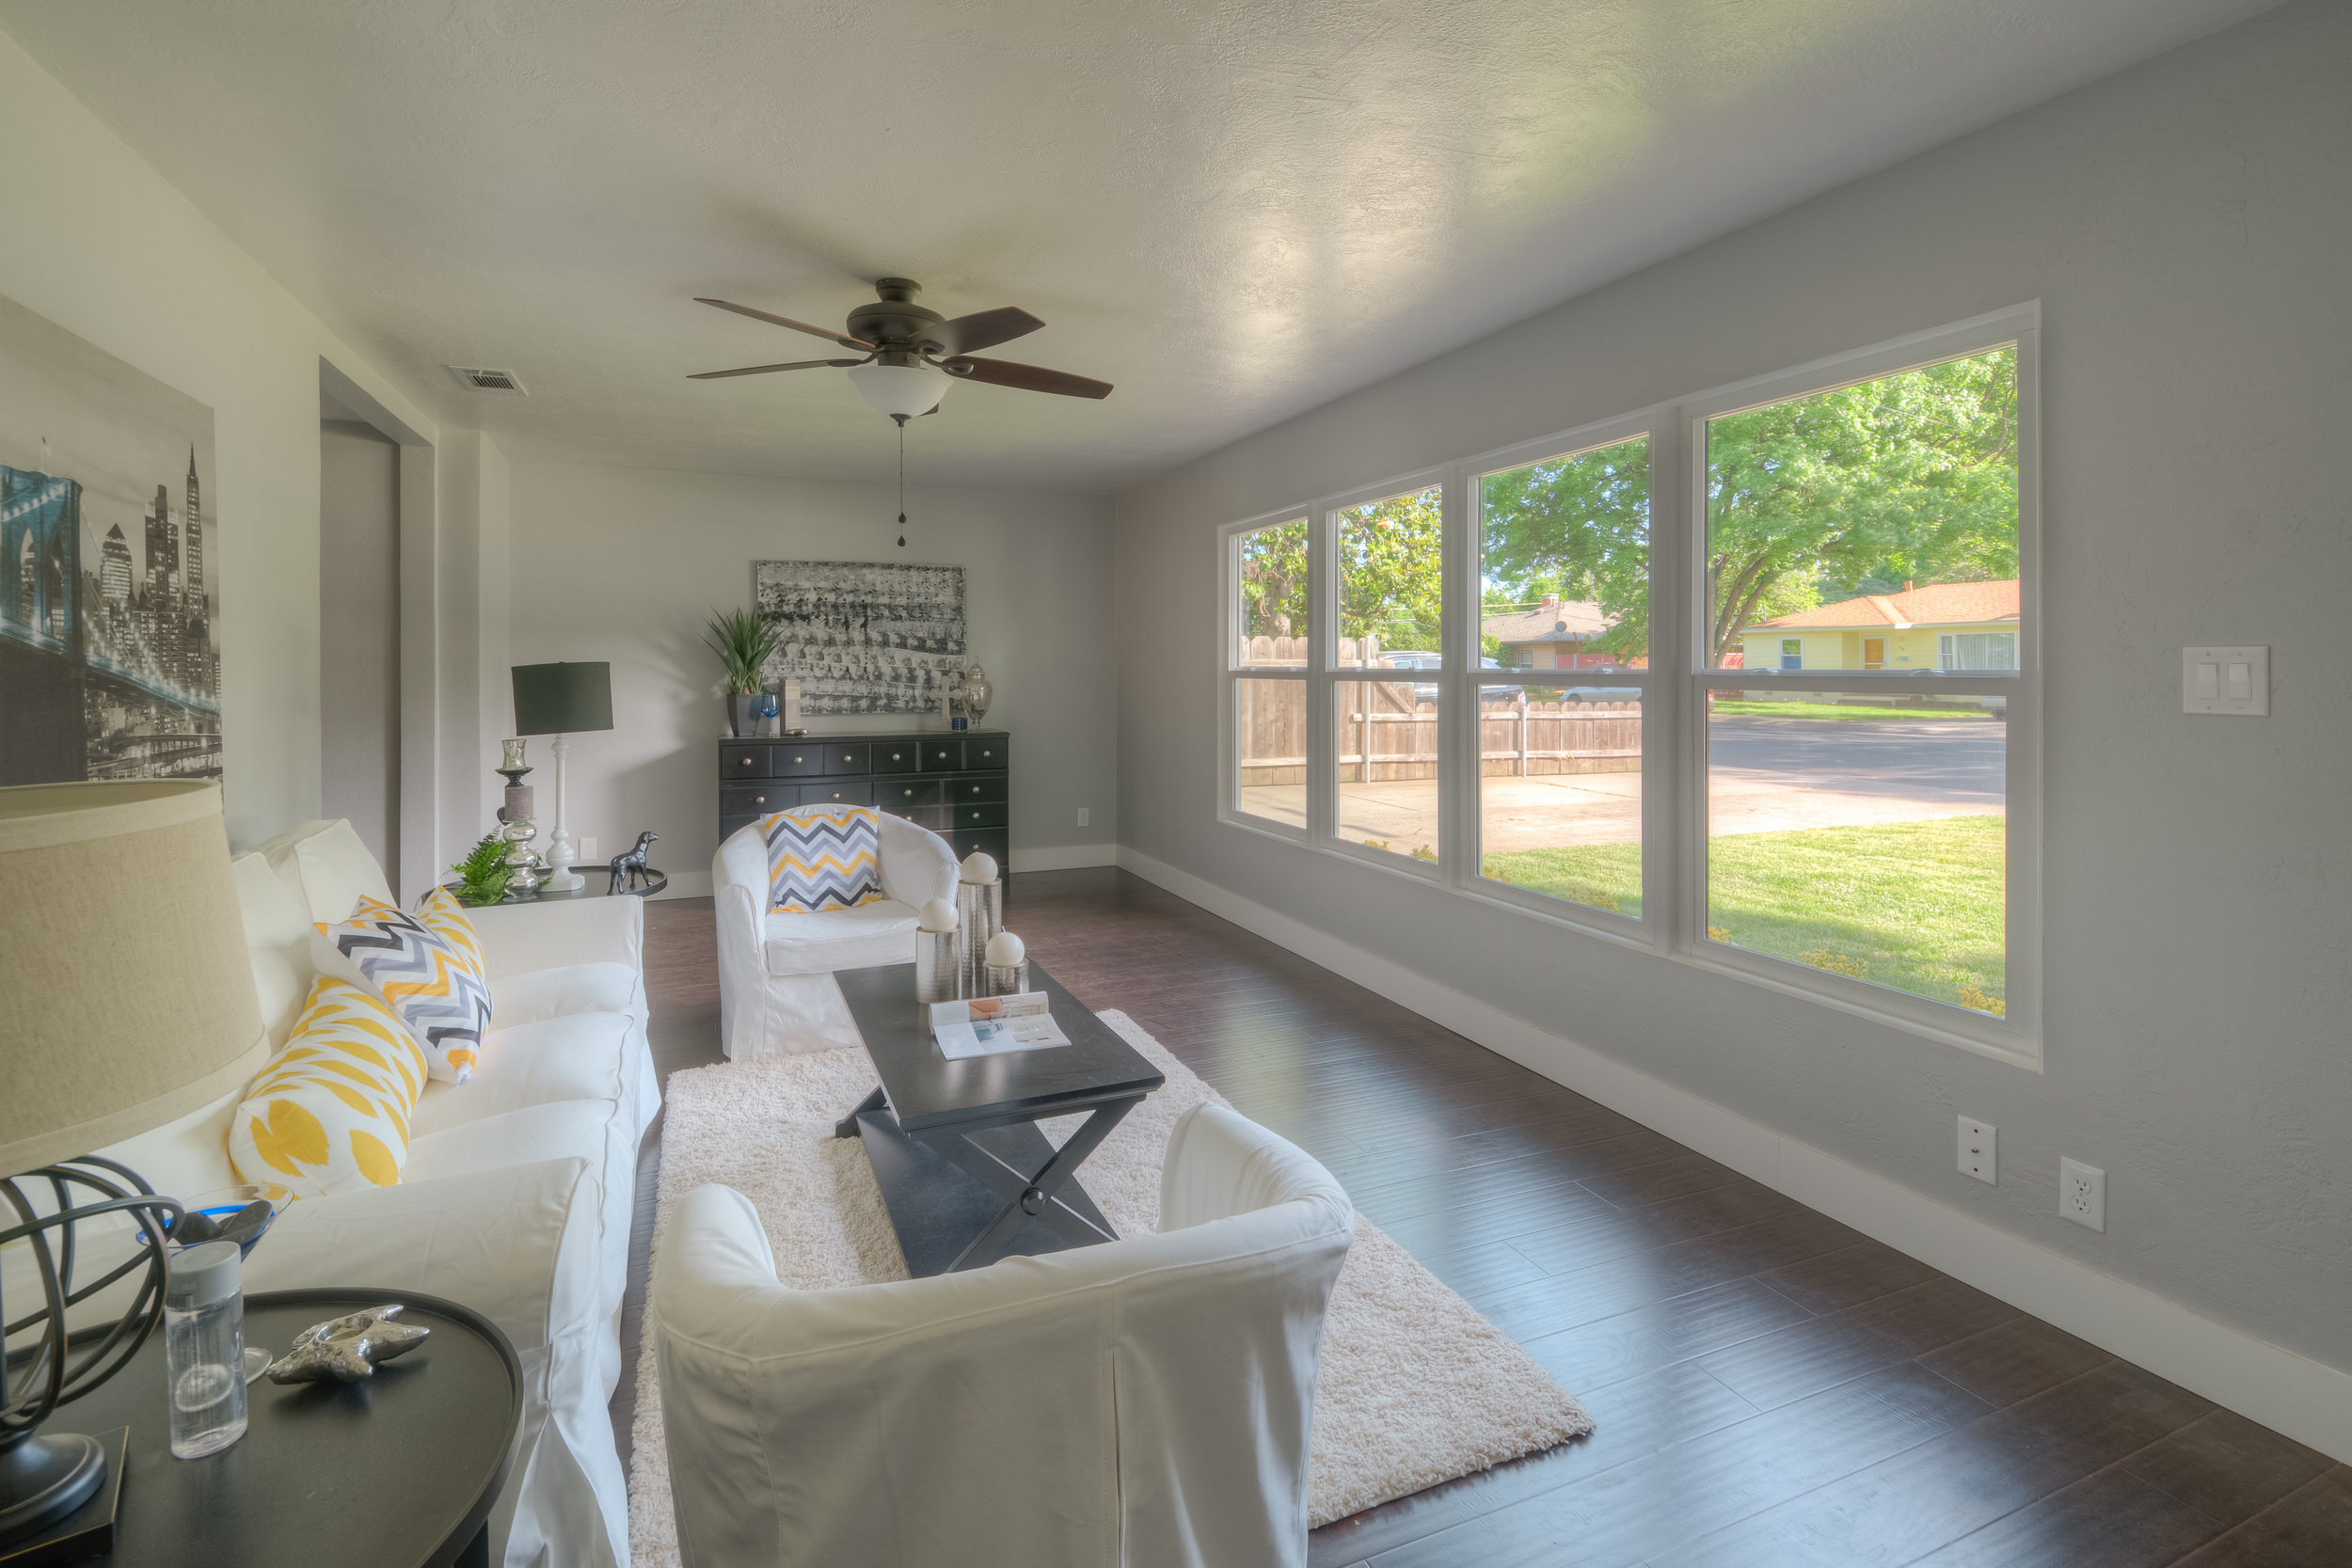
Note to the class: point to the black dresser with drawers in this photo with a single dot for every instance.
(950, 781)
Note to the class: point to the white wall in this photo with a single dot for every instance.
(626, 565)
(98, 244)
(2186, 226)
(359, 633)
(472, 604)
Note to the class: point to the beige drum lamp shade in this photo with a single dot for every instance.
(126, 1000)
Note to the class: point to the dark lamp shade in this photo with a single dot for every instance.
(563, 699)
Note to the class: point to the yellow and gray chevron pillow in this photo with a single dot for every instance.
(825, 858)
(331, 1110)
(426, 967)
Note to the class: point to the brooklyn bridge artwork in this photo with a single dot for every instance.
(109, 566)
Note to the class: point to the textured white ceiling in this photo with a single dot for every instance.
(1234, 210)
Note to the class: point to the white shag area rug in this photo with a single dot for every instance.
(1414, 1386)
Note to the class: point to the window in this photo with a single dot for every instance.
(1862, 831)
(1794, 736)
(1388, 562)
(1268, 637)
(1976, 650)
(1560, 756)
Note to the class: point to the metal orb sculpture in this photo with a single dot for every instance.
(42, 1479)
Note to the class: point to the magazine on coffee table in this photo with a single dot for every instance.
(989, 1025)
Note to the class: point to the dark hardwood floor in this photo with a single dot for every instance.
(1769, 1386)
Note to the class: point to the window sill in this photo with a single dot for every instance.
(1894, 1010)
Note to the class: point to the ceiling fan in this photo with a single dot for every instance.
(913, 353)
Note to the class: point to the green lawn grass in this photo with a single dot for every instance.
(1841, 711)
(1918, 906)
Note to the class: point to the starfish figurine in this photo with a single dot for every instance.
(347, 1349)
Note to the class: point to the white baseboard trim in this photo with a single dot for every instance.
(685, 885)
(2309, 1400)
(1064, 857)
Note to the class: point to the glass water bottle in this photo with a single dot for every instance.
(204, 1348)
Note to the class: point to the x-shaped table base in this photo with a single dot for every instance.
(943, 1225)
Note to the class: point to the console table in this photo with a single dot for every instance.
(951, 781)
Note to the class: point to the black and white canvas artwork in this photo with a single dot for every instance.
(109, 566)
(863, 636)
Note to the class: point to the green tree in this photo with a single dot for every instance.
(1274, 580)
(1578, 528)
(1909, 477)
(1390, 570)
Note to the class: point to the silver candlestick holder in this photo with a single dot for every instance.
(938, 941)
(980, 915)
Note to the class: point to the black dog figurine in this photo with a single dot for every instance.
(629, 870)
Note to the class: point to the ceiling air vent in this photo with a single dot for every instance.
(489, 381)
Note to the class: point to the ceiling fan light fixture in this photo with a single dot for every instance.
(901, 391)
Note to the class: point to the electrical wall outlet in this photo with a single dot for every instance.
(2083, 1194)
(1086, 814)
(587, 848)
(1977, 1148)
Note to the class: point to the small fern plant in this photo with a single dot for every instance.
(484, 874)
(744, 644)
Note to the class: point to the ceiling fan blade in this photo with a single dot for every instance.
(763, 370)
(984, 330)
(1028, 378)
(825, 332)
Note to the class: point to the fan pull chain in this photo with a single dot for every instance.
(902, 483)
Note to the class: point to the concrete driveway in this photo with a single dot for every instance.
(1765, 775)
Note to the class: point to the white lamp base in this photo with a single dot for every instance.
(560, 877)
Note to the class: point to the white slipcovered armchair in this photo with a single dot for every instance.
(775, 987)
(1145, 1402)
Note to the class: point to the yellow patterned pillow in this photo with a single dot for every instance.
(823, 858)
(427, 967)
(332, 1110)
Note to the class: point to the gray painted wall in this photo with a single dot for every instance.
(359, 633)
(2186, 226)
(624, 565)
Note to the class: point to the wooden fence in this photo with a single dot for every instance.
(1384, 733)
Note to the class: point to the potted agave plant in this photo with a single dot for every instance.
(743, 642)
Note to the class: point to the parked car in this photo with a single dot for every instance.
(1421, 658)
(1600, 694)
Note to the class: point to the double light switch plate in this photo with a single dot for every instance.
(2225, 680)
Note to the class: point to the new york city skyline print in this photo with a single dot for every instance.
(109, 566)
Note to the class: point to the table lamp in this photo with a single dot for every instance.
(126, 1001)
(561, 699)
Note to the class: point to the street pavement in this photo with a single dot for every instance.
(1764, 775)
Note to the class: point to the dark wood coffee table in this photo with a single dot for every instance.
(966, 1175)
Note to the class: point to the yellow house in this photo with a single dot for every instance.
(1947, 625)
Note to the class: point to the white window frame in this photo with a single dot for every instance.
(2017, 1037)
(1675, 686)
(1230, 671)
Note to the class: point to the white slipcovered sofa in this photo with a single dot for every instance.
(519, 1186)
(774, 987)
(1145, 1402)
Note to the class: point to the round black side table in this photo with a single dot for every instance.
(400, 1471)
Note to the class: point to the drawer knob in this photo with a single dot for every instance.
(759, 800)
(975, 790)
(894, 756)
(796, 759)
(747, 762)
